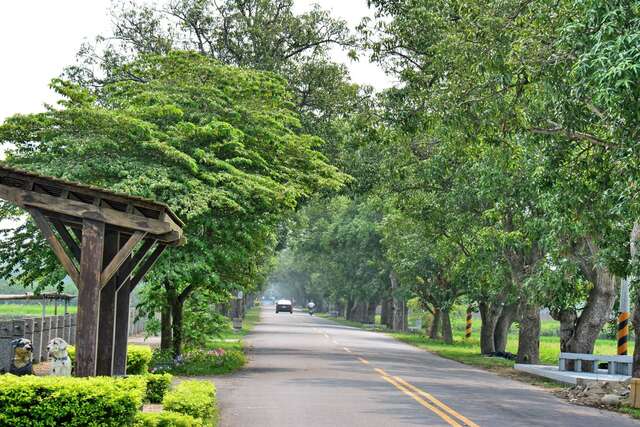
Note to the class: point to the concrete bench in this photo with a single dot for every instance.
(620, 365)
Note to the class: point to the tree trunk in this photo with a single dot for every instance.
(447, 333)
(399, 305)
(435, 324)
(166, 337)
(371, 312)
(501, 332)
(349, 309)
(176, 315)
(385, 315)
(529, 335)
(595, 314)
(489, 314)
(567, 319)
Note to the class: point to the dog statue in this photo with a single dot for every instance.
(61, 363)
(22, 362)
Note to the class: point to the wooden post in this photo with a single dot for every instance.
(89, 297)
(107, 305)
(121, 331)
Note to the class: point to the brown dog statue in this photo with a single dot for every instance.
(22, 362)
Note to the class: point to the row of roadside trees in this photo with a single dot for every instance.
(218, 109)
(501, 173)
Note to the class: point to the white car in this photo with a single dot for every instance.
(284, 305)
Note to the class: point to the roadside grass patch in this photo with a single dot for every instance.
(633, 412)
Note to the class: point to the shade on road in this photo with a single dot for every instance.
(307, 371)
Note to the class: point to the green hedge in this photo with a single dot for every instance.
(195, 398)
(157, 386)
(138, 358)
(52, 401)
(166, 419)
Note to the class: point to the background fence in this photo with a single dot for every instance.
(40, 330)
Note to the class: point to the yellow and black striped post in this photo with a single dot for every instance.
(623, 332)
(623, 318)
(467, 331)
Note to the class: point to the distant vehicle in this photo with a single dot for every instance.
(284, 305)
(311, 306)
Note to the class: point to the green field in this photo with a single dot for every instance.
(17, 310)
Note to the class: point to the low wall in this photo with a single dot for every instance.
(41, 330)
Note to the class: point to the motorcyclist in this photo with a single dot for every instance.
(311, 306)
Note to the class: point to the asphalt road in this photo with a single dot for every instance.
(307, 371)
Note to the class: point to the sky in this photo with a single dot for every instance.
(40, 37)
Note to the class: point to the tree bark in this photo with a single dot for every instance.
(489, 314)
(529, 335)
(435, 324)
(166, 337)
(501, 332)
(447, 333)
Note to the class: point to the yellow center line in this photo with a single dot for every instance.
(418, 399)
(437, 402)
(365, 361)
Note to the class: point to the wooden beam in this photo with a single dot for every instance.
(66, 237)
(57, 248)
(88, 315)
(86, 191)
(128, 267)
(146, 266)
(120, 257)
(83, 210)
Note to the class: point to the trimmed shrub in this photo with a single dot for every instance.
(138, 358)
(157, 386)
(166, 419)
(195, 398)
(52, 401)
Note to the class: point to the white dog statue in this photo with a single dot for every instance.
(61, 363)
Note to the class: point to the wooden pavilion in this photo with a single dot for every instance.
(106, 242)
